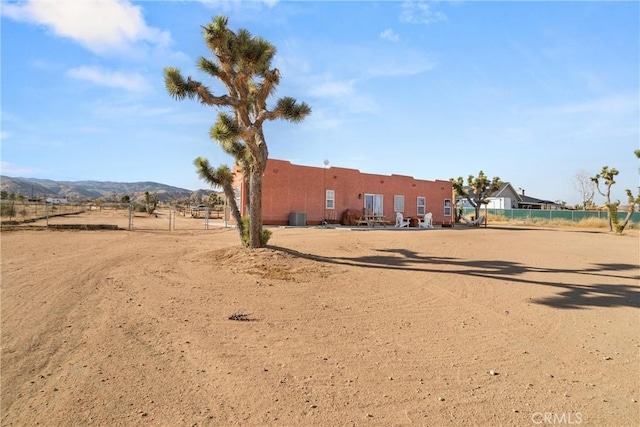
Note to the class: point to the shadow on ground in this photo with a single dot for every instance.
(570, 295)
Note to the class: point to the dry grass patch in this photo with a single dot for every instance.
(558, 223)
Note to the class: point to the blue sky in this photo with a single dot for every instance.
(532, 92)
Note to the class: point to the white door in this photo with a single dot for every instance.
(373, 204)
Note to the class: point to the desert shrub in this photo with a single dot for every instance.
(265, 235)
(7, 209)
(139, 207)
(151, 202)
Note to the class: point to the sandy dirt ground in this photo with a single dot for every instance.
(498, 326)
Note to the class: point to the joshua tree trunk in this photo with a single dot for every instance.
(260, 156)
(255, 208)
(231, 198)
(477, 208)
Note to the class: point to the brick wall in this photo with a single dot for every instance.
(293, 188)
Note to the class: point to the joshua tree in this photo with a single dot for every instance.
(608, 177)
(477, 189)
(214, 200)
(151, 202)
(242, 63)
(221, 177)
(633, 201)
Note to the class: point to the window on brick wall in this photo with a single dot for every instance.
(447, 207)
(330, 199)
(398, 204)
(422, 205)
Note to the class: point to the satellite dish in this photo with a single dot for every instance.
(326, 162)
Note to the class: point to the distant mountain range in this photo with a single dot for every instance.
(93, 190)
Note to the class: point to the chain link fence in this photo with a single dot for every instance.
(549, 215)
(15, 211)
(124, 216)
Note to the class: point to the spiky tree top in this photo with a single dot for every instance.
(478, 188)
(608, 176)
(242, 63)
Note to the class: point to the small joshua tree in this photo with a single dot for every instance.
(634, 202)
(478, 189)
(221, 177)
(607, 177)
(151, 202)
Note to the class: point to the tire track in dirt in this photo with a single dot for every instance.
(58, 306)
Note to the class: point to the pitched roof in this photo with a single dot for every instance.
(521, 197)
(504, 191)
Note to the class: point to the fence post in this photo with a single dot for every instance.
(206, 218)
(130, 217)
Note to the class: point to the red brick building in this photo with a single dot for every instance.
(326, 193)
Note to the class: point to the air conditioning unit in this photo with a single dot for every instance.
(298, 218)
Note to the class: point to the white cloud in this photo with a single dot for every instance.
(132, 82)
(341, 93)
(333, 89)
(341, 77)
(248, 9)
(125, 110)
(419, 12)
(389, 35)
(101, 26)
(228, 4)
(323, 119)
(401, 63)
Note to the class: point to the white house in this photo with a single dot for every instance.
(508, 198)
(500, 203)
